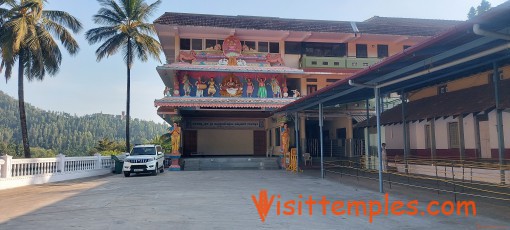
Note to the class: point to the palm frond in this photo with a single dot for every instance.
(64, 19)
(101, 33)
(65, 37)
(111, 46)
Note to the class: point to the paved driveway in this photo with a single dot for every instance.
(203, 200)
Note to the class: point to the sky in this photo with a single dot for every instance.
(84, 86)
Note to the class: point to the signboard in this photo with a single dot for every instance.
(225, 124)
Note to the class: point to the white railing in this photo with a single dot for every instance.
(20, 172)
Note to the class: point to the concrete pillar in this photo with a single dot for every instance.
(321, 124)
(433, 138)
(61, 162)
(7, 166)
(302, 133)
(379, 139)
(99, 162)
(462, 147)
(499, 122)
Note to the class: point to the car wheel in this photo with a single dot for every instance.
(155, 172)
(127, 174)
(162, 170)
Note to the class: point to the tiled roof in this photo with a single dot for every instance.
(226, 68)
(223, 102)
(449, 104)
(374, 25)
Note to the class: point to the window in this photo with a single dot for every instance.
(293, 48)
(210, 43)
(250, 44)
(427, 137)
(196, 44)
(336, 63)
(314, 62)
(331, 80)
(185, 44)
(325, 63)
(442, 89)
(317, 49)
(158, 148)
(361, 51)
(406, 47)
(382, 51)
(274, 47)
(453, 135)
(311, 89)
(191, 44)
(311, 80)
(263, 46)
(277, 137)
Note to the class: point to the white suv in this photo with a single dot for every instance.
(144, 159)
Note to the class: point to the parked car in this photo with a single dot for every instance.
(144, 159)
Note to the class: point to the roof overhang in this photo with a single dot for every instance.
(223, 102)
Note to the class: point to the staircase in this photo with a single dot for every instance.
(231, 163)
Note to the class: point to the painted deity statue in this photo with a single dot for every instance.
(262, 93)
(275, 86)
(249, 87)
(211, 90)
(201, 86)
(285, 136)
(186, 85)
(175, 133)
(231, 87)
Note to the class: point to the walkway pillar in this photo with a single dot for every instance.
(321, 123)
(405, 132)
(499, 123)
(296, 127)
(367, 155)
(379, 141)
(462, 146)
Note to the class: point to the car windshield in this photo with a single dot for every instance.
(143, 151)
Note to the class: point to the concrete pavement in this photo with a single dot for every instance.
(204, 200)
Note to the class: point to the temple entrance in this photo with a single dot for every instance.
(259, 143)
(190, 142)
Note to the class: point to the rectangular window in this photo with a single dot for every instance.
(250, 44)
(382, 51)
(196, 44)
(453, 135)
(325, 63)
(263, 46)
(277, 137)
(292, 47)
(311, 80)
(317, 49)
(336, 63)
(185, 44)
(274, 47)
(361, 51)
(331, 80)
(427, 137)
(311, 89)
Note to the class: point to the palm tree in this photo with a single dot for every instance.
(124, 27)
(26, 38)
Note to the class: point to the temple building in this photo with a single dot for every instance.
(225, 75)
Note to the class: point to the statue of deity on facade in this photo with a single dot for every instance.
(186, 85)
(275, 86)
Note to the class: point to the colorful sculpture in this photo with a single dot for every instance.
(200, 87)
(230, 87)
(249, 87)
(186, 85)
(275, 86)
(187, 56)
(211, 90)
(262, 93)
(175, 133)
(284, 133)
(274, 59)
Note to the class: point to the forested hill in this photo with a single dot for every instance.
(64, 133)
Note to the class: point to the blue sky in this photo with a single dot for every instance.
(84, 86)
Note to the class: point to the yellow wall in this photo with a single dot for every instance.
(463, 83)
(225, 142)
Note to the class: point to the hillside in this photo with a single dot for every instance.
(64, 133)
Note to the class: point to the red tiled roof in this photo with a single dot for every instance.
(471, 100)
(375, 25)
(223, 102)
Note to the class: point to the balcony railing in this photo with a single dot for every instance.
(337, 62)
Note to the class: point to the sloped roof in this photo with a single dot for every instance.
(481, 98)
(375, 25)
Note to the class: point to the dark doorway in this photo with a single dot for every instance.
(341, 135)
(190, 142)
(293, 84)
(259, 143)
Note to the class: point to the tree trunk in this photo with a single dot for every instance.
(21, 104)
(128, 95)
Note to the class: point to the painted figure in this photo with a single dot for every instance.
(249, 87)
(175, 133)
(186, 85)
(285, 90)
(296, 93)
(212, 87)
(166, 92)
(200, 87)
(275, 86)
(284, 133)
(262, 93)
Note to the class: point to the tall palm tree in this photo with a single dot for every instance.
(26, 38)
(125, 27)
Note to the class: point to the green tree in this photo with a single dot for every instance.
(125, 27)
(26, 38)
(480, 9)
